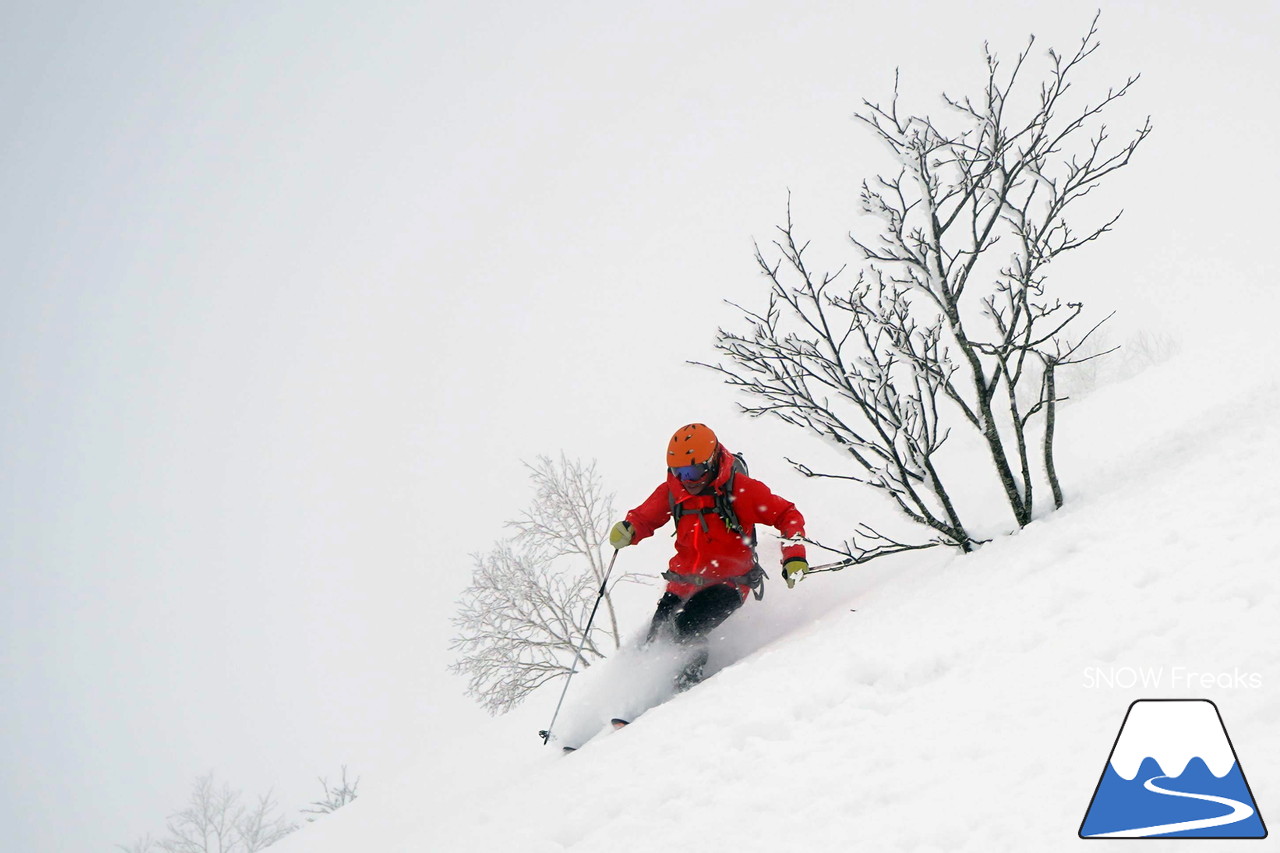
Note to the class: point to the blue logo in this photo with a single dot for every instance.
(1173, 773)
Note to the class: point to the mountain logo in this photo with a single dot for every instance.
(1173, 773)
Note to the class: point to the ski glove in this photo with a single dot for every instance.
(793, 570)
(620, 535)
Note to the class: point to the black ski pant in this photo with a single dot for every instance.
(691, 620)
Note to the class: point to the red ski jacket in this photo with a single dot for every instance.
(716, 553)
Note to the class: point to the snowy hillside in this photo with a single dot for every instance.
(929, 702)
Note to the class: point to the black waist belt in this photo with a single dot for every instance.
(754, 579)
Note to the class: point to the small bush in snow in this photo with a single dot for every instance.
(335, 796)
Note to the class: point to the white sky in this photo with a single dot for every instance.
(287, 291)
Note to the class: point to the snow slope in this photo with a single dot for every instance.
(931, 702)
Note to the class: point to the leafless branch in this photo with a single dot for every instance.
(941, 328)
(520, 622)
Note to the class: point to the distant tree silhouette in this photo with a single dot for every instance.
(218, 820)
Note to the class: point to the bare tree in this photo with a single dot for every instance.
(1141, 350)
(570, 516)
(939, 329)
(335, 797)
(216, 820)
(520, 622)
(260, 826)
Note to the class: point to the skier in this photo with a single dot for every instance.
(716, 506)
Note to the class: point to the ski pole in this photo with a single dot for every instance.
(546, 733)
(830, 567)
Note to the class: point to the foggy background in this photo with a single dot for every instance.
(288, 291)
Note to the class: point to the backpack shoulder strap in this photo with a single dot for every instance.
(679, 511)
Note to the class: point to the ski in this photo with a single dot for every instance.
(616, 722)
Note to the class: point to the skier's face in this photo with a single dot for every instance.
(698, 486)
(695, 478)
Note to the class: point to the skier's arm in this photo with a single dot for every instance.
(650, 515)
(777, 512)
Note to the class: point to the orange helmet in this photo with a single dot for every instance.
(692, 444)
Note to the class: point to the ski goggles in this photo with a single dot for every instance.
(690, 472)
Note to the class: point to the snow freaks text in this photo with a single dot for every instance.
(1168, 677)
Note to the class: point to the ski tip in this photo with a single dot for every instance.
(565, 750)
